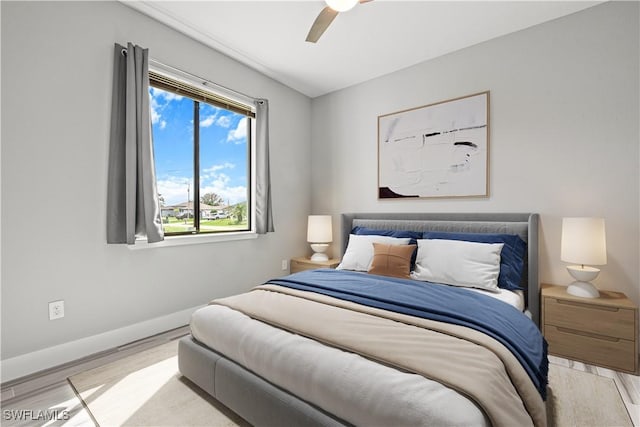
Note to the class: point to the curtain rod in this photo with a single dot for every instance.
(205, 82)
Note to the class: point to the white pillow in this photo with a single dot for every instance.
(458, 263)
(359, 253)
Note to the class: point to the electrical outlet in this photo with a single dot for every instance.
(285, 264)
(56, 310)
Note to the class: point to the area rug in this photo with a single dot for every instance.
(578, 398)
(146, 389)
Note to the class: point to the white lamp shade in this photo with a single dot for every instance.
(341, 5)
(583, 241)
(319, 229)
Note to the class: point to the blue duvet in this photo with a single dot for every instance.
(436, 302)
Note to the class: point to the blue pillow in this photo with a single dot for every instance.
(511, 257)
(413, 235)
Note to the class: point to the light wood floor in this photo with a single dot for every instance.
(43, 404)
(47, 398)
(58, 405)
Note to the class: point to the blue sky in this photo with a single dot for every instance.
(223, 149)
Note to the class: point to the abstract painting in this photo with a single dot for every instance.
(437, 150)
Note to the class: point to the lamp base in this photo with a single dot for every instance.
(583, 289)
(319, 250)
(583, 273)
(319, 257)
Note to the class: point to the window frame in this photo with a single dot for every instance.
(199, 90)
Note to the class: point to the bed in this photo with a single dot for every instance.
(345, 347)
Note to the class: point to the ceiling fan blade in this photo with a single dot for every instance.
(321, 23)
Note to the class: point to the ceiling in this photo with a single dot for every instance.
(371, 40)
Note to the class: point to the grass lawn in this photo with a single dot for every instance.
(174, 225)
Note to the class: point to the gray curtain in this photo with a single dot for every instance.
(264, 217)
(133, 206)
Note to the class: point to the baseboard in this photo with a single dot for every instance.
(37, 361)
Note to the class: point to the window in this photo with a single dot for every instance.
(202, 147)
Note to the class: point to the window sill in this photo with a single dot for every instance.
(193, 240)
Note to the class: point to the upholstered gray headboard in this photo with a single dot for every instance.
(524, 225)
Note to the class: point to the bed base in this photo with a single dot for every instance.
(256, 400)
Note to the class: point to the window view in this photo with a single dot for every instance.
(202, 156)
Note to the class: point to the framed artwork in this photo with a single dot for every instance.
(437, 150)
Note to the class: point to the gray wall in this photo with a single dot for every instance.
(56, 97)
(563, 132)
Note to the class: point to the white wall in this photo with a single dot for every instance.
(56, 101)
(564, 132)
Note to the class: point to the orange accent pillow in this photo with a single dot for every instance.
(392, 260)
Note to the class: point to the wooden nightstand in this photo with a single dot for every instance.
(601, 331)
(301, 263)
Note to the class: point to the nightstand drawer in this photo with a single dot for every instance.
(595, 319)
(614, 353)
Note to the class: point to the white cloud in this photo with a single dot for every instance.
(212, 180)
(215, 168)
(224, 121)
(208, 121)
(168, 96)
(159, 99)
(239, 134)
(153, 106)
(230, 194)
(155, 116)
(206, 108)
(174, 189)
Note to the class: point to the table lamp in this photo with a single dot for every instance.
(319, 235)
(583, 242)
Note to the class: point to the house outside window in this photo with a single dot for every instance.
(203, 156)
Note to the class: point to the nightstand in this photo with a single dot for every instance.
(600, 331)
(302, 263)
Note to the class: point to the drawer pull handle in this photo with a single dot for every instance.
(590, 306)
(586, 334)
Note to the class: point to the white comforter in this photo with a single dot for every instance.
(347, 385)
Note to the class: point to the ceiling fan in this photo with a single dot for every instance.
(327, 16)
